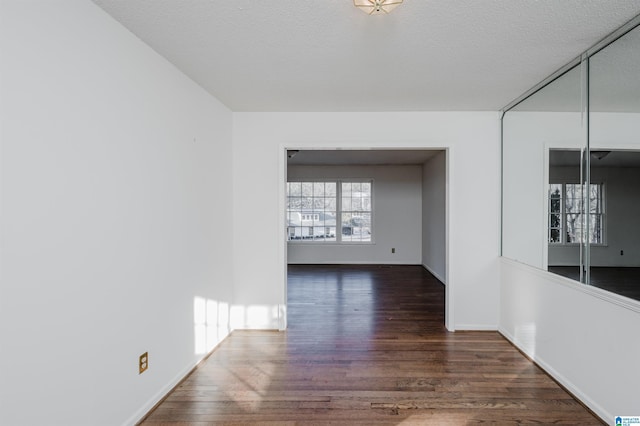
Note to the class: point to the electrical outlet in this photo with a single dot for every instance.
(621, 252)
(143, 363)
(393, 250)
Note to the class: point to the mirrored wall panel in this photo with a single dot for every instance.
(550, 119)
(571, 172)
(614, 138)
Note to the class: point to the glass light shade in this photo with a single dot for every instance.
(376, 7)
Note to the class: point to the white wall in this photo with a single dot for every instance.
(259, 174)
(115, 218)
(622, 209)
(397, 223)
(583, 336)
(434, 220)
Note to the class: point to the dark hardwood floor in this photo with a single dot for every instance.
(366, 345)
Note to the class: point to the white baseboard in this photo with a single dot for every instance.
(164, 391)
(144, 410)
(570, 386)
(476, 327)
(434, 273)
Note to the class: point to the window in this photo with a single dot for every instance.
(566, 219)
(356, 211)
(316, 210)
(311, 211)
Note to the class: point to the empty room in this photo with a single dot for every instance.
(319, 212)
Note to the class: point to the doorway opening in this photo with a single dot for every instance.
(355, 206)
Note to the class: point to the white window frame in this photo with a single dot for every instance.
(563, 216)
(338, 238)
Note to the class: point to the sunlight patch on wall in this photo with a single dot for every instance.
(525, 337)
(211, 323)
(255, 316)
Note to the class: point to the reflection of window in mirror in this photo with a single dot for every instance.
(567, 221)
(614, 209)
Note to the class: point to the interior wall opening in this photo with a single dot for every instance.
(366, 207)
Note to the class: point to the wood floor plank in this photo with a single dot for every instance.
(367, 345)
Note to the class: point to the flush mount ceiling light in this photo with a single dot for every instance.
(376, 7)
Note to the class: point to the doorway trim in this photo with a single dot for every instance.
(282, 228)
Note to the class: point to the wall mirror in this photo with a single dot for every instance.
(571, 171)
(614, 138)
(551, 118)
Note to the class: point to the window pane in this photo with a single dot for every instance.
(356, 208)
(330, 233)
(318, 189)
(295, 203)
(330, 189)
(356, 204)
(574, 228)
(347, 227)
(291, 216)
(330, 204)
(306, 203)
(307, 189)
(573, 198)
(346, 189)
(294, 233)
(356, 227)
(554, 236)
(595, 198)
(366, 203)
(595, 233)
(295, 188)
(364, 222)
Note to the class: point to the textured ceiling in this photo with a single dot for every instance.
(325, 55)
(614, 85)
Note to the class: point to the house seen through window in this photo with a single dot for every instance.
(567, 219)
(337, 211)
